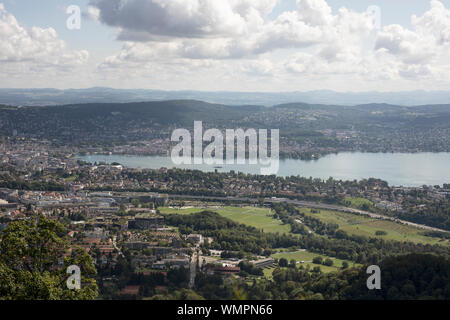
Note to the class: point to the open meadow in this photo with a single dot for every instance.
(260, 218)
(304, 258)
(368, 227)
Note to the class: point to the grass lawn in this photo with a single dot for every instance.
(357, 203)
(307, 257)
(71, 178)
(261, 218)
(366, 226)
(166, 210)
(268, 273)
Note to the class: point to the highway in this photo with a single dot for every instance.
(304, 204)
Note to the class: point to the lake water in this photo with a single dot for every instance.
(398, 169)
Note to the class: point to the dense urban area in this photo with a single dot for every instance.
(183, 234)
(306, 131)
(224, 158)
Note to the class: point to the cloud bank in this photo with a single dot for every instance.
(240, 45)
(313, 40)
(34, 49)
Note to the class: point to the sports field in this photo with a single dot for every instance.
(261, 218)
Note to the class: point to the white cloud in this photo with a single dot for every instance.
(435, 22)
(147, 19)
(419, 53)
(231, 44)
(93, 14)
(263, 67)
(311, 25)
(314, 12)
(422, 51)
(312, 44)
(34, 49)
(409, 46)
(333, 42)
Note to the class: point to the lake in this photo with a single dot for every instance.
(399, 169)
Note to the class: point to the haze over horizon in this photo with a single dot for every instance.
(52, 96)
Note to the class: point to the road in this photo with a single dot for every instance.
(193, 269)
(305, 204)
(114, 243)
(314, 205)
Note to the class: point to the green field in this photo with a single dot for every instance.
(71, 178)
(358, 203)
(268, 273)
(366, 226)
(307, 257)
(261, 218)
(166, 210)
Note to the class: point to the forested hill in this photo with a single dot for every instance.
(325, 128)
(109, 121)
(176, 111)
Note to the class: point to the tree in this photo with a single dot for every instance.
(328, 262)
(317, 260)
(283, 262)
(34, 257)
(136, 203)
(316, 270)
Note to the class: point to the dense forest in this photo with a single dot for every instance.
(407, 272)
(406, 277)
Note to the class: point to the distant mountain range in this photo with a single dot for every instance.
(50, 97)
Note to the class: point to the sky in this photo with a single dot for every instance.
(227, 45)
